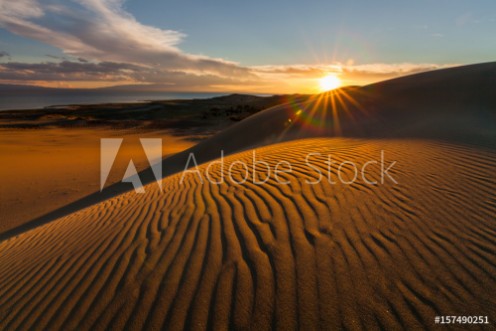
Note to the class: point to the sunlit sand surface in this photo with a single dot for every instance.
(61, 165)
(287, 256)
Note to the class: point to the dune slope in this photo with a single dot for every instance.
(281, 256)
(455, 105)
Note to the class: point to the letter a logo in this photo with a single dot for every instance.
(109, 147)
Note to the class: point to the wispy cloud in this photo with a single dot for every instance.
(298, 69)
(101, 30)
(68, 71)
(270, 78)
(4, 54)
(337, 67)
(388, 69)
(104, 43)
(352, 74)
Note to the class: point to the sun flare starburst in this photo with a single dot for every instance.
(329, 82)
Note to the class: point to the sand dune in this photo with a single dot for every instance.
(453, 105)
(43, 171)
(287, 256)
(262, 256)
(456, 104)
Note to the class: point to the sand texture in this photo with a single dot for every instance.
(283, 256)
(42, 170)
(199, 255)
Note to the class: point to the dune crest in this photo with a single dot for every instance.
(455, 105)
(267, 256)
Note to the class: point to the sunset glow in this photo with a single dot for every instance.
(329, 82)
(153, 48)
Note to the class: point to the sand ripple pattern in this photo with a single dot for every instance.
(286, 257)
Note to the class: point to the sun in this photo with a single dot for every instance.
(329, 82)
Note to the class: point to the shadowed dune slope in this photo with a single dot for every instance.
(456, 105)
(291, 256)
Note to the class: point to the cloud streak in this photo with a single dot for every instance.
(67, 73)
(102, 31)
(4, 54)
(104, 44)
(350, 74)
(291, 78)
(339, 68)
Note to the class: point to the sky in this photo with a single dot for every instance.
(237, 46)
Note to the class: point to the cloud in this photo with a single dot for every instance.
(20, 9)
(105, 45)
(102, 31)
(4, 54)
(66, 73)
(305, 76)
(297, 69)
(395, 69)
(269, 78)
(352, 72)
(337, 67)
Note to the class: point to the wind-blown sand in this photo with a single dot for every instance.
(330, 256)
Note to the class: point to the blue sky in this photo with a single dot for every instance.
(285, 32)
(272, 46)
